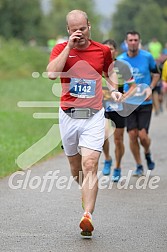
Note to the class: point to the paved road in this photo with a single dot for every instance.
(133, 219)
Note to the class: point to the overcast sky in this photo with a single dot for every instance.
(106, 7)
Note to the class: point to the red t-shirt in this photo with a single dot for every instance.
(81, 78)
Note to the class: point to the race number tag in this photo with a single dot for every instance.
(82, 88)
(139, 91)
(109, 104)
(113, 106)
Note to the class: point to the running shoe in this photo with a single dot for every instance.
(150, 163)
(139, 171)
(86, 225)
(107, 167)
(116, 175)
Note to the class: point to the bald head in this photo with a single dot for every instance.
(78, 28)
(76, 14)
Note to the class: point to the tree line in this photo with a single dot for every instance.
(148, 17)
(26, 20)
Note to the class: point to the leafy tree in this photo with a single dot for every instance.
(25, 19)
(163, 6)
(20, 19)
(145, 18)
(150, 25)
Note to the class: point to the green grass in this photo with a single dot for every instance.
(19, 130)
(19, 60)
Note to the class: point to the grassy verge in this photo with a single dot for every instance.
(19, 130)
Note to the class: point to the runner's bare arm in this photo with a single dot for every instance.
(155, 79)
(112, 84)
(55, 67)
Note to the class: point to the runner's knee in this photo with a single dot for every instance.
(89, 165)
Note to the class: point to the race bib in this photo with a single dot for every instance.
(82, 88)
(113, 106)
(139, 91)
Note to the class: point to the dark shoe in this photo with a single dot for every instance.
(139, 171)
(150, 163)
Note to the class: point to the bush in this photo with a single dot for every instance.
(20, 60)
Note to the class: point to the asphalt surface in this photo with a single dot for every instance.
(35, 217)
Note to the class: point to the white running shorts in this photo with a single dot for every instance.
(77, 133)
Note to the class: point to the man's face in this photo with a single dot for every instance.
(81, 25)
(133, 42)
(113, 51)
